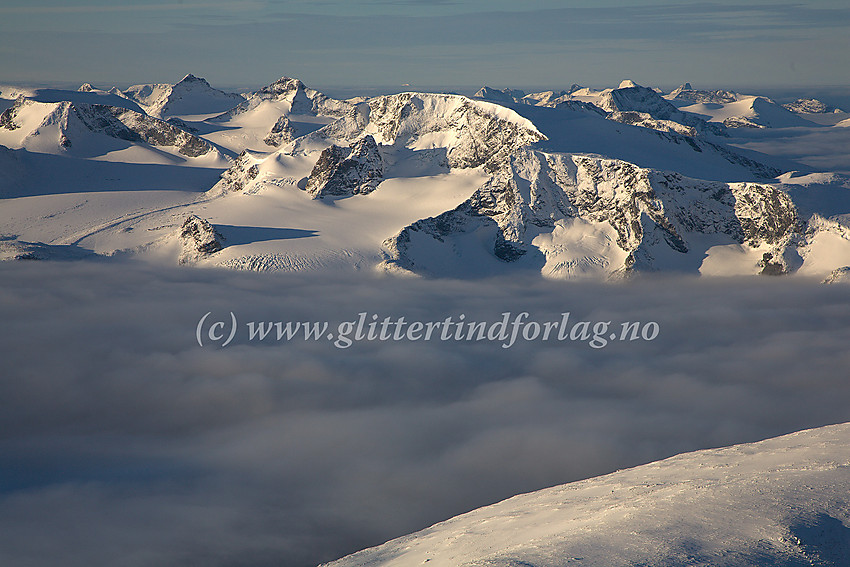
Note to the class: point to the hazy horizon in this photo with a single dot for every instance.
(437, 42)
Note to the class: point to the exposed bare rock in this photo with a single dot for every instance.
(839, 275)
(244, 170)
(198, 239)
(281, 133)
(810, 106)
(339, 172)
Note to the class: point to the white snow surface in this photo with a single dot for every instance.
(543, 182)
(780, 503)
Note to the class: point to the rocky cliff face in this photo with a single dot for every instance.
(343, 172)
(838, 275)
(686, 92)
(645, 214)
(160, 133)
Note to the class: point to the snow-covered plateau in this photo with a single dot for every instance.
(776, 503)
(570, 184)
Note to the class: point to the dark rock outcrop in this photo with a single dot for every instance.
(340, 172)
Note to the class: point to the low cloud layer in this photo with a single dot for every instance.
(123, 442)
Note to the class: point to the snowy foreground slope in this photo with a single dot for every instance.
(782, 502)
(569, 184)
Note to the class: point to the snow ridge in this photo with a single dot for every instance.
(775, 503)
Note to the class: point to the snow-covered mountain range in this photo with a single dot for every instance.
(569, 184)
(779, 503)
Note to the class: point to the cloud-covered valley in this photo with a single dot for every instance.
(131, 445)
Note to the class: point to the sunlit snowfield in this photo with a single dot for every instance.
(132, 445)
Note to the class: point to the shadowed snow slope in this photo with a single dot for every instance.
(780, 502)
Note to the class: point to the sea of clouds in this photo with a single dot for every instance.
(125, 443)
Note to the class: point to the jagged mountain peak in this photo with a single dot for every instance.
(194, 95)
(287, 95)
(198, 239)
(189, 78)
(445, 130)
(633, 97)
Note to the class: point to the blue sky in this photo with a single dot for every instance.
(434, 43)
